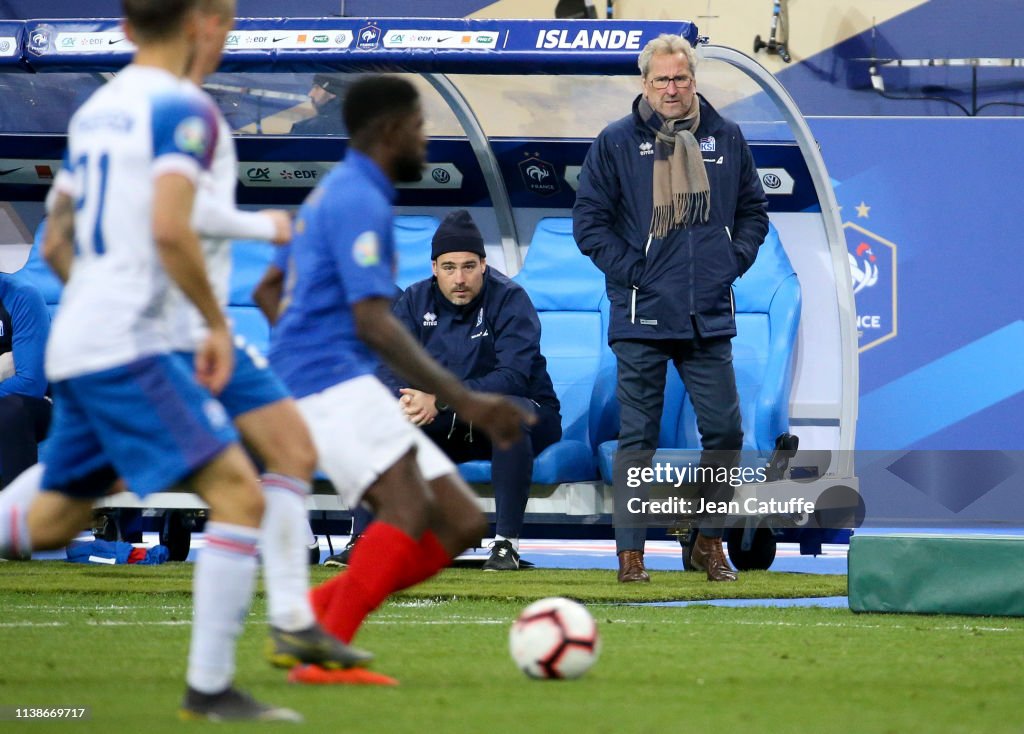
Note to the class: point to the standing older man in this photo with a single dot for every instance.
(483, 327)
(671, 209)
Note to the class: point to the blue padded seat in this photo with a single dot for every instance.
(568, 293)
(413, 233)
(36, 271)
(767, 301)
(249, 260)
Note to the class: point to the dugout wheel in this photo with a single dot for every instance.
(177, 534)
(786, 446)
(761, 554)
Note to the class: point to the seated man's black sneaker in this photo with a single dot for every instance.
(503, 557)
(340, 560)
(314, 552)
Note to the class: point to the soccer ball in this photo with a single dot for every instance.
(554, 638)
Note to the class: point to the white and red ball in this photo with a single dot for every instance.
(554, 638)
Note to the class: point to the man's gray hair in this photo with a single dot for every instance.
(666, 43)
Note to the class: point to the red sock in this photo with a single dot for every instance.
(432, 558)
(379, 562)
(320, 597)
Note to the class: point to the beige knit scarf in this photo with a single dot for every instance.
(682, 194)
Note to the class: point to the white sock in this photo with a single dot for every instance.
(513, 541)
(222, 587)
(15, 500)
(284, 542)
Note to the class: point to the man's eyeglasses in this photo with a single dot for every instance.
(662, 82)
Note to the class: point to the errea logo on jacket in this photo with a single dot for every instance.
(430, 319)
(646, 148)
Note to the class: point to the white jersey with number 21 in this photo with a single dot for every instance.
(142, 125)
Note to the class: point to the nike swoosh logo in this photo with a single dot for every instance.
(282, 38)
(117, 40)
(10, 170)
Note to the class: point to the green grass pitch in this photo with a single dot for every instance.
(115, 639)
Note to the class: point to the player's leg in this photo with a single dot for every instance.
(76, 467)
(272, 427)
(456, 522)
(225, 570)
(158, 428)
(401, 551)
(277, 434)
(15, 500)
(366, 448)
(402, 506)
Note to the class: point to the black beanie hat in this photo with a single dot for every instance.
(457, 233)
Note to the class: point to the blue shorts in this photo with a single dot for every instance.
(253, 384)
(149, 420)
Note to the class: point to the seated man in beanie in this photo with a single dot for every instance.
(483, 327)
(326, 94)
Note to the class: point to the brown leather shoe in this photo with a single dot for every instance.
(709, 556)
(631, 567)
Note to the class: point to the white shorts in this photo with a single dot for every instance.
(360, 431)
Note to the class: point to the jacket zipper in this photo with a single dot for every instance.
(632, 297)
(729, 235)
(693, 273)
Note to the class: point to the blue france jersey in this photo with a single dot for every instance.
(342, 253)
(136, 128)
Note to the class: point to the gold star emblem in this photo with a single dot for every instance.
(862, 210)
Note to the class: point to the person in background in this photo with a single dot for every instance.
(24, 406)
(671, 230)
(326, 94)
(483, 327)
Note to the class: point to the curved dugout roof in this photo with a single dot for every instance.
(75, 51)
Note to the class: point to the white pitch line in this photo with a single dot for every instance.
(485, 621)
(111, 608)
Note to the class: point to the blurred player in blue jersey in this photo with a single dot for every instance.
(335, 320)
(119, 234)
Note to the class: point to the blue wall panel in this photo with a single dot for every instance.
(944, 193)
